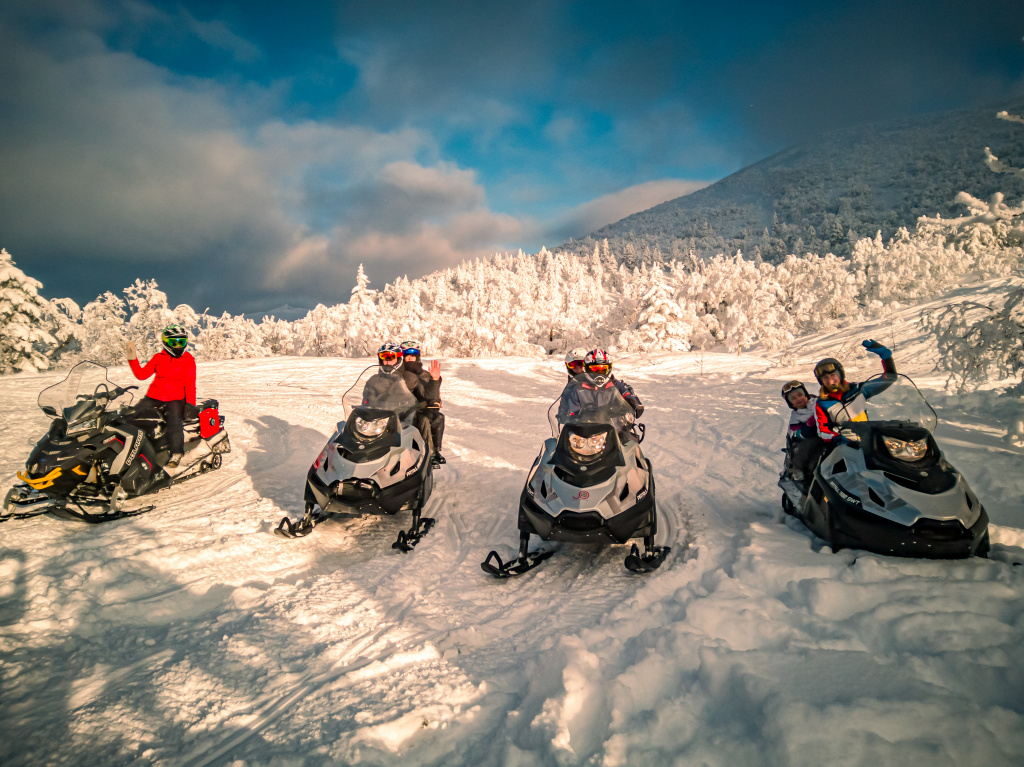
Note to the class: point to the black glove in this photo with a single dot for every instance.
(637, 405)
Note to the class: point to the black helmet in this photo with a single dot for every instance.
(829, 365)
(793, 386)
(174, 340)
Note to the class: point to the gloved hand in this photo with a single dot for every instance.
(876, 348)
(637, 405)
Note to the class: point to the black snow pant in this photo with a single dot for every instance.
(174, 415)
(803, 456)
(433, 419)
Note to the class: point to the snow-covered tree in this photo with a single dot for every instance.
(103, 332)
(149, 314)
(278, 336)
(230, 337)
(662, 322)
(23, 312)
(980, 342)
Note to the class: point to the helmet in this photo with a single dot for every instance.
(174, 340)
(793, 386)
(598, 365)
(574, 361)
(410, 348)
(829, 365)
(389, 357)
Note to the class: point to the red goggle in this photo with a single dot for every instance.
(601, 368)
(388, 358)
(576, 366)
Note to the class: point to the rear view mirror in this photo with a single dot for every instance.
(49, 410)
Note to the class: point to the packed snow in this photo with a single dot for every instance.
(193, 636)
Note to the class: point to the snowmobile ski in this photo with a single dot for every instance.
(407, 539)
(81, 515)
(647, 562)
(518, 566)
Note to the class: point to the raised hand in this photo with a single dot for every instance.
(434, 369)
(876, 348)
(130, 350)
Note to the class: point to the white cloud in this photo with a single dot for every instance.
(590, 216)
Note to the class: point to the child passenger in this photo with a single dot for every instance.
(802, 440)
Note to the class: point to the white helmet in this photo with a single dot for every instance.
(574, 361)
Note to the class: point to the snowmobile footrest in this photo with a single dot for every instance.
(300, 529)
(647, 562)
(494, 566)
(407, 539)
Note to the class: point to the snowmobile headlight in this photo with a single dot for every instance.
(372, 428)
(83, 424)
(588, 446)
(906, 450)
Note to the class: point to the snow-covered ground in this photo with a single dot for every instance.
(193, 636)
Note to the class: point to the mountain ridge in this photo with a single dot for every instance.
(824, 194)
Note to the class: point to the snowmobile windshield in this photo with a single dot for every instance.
(85, 393)
(585, 403)
(888, 397)
(379, 391)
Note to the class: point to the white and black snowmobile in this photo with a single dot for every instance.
(100, 450)
(590, 484)
(886, 486)
(376, 462)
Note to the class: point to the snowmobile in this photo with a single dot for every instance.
(377, 461)
(99, 455)
(590, 484)
(887, 488)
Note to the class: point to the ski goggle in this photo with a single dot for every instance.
(825, 369)
(791, 386)
(600, 368)
(410, 351)
(574, 366)
(388, 358)
(176, 343)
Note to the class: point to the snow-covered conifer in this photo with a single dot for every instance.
(24, 340)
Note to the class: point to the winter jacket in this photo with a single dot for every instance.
(423, 387)
(802, 421)
(574, 392)
(175, 376)
(849, 403)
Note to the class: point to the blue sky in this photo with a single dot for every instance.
(251, 154)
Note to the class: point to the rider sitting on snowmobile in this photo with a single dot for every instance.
(174, 384)
(430, 383)
(840, 399)
(802, 440)
(574, 363)
(597, 375)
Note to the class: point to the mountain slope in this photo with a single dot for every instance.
(859, 180)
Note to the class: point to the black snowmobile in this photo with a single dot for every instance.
(886, 487)
(376, 462)
(590, 484)
(97, 455)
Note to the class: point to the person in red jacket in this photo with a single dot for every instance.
(174, 384)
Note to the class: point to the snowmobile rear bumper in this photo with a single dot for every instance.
(927, 538)
(588, 527)
(361, 496)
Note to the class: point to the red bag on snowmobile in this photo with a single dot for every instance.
(209, 422)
